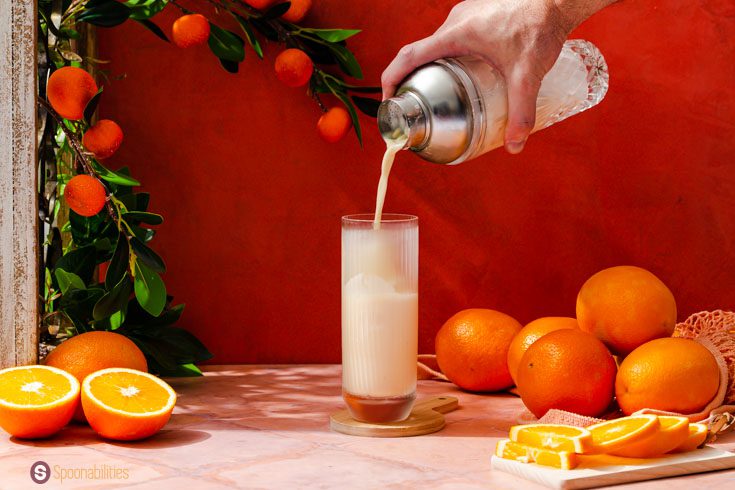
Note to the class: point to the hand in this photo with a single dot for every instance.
(520, 38)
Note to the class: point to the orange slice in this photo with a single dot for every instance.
(524, 453)
(553, 436)
(697, 436)
(36, 401)
(125, 404)
(673, 431)
(613, 434)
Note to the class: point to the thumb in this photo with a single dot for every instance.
(523, 91)
(409, 58)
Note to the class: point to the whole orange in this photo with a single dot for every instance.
(472, 349)
(672, 374)
(190, 30)
(625, 307)
(334, 124)
(103, 139)
(531, 333)
(568, 370)
(69, 90)
(297, 11)
(85, 195)
(86, 353)
(294, 67)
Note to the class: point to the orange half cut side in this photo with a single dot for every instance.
(553, 436)
(613, 434)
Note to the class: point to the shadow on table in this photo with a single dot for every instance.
(82, 435)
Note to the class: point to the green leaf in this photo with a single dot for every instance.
(80, 261)
(183, 346)
(353, 113)
(114, 300)
(92, 106)
(159, 360)
(150, 291)
(112, 176)
(276, 11)
(346, 60)
(147, 255)
(144, 217)
(68, 280)
(104, 13)
(229, 66)
(119, 262)
(226, 45)
(145, 9)
(265, 28)
(185, 370)
(366, 105)
(153, 27)
(333, 35)
(249, 34)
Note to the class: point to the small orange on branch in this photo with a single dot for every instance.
(294, 67)
(190, 30)
(69, 90)
(85, 195)
(103, 139)
(334, 124)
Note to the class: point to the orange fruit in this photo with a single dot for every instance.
(555, 437)
(125, 404)
(625, 307)
(472, 348)
(103, 139)
(674, 374)
(190, 30)
(697, 436)
(613, 434)
(69, 90)
(36, 401)
(672, 432)
(524, 453)
(294, 67)
(261, 4)
(531, 333)
(86, 353)
(297, 11)
(334, 124)
(85, 195)
(568, 370)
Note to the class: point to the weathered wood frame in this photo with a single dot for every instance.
(19, 244)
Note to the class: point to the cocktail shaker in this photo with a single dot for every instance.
(454, 109)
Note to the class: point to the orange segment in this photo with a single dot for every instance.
(125, 404)
(36, 401)
(697, 436)
(673, 431)
(524, 453)
(553, 436)
(613, 434)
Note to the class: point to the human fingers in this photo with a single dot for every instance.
(523, 88)
(411, 57)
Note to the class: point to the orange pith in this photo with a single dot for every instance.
(553, 436)
(525, 453)
(614, 434)
(125, 404)
(696, 437)
(673, 431)
(36, 401)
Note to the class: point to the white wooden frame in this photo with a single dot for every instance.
(19, 247)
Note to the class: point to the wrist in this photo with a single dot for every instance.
(573, 12)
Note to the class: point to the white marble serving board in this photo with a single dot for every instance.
(600, 470)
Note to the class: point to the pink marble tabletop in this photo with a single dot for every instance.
(268, 427)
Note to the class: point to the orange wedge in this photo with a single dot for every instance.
(524, 453)
(553, 436)
(125, 404)
(673, 431)
(614, 434)
(36, 401)
(697, 436)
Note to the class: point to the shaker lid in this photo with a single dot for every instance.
(431, 108)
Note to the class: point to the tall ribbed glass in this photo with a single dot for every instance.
(379, 316)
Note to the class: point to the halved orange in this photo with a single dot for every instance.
(553, 436)
(697, 436)
(125, 404)
(614, 434)
(36, 401)
(673, 431)
(524, 453)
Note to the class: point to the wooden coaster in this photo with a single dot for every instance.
(426, 417)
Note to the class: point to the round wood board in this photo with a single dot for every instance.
(426, 417)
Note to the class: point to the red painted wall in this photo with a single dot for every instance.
(253, 198)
